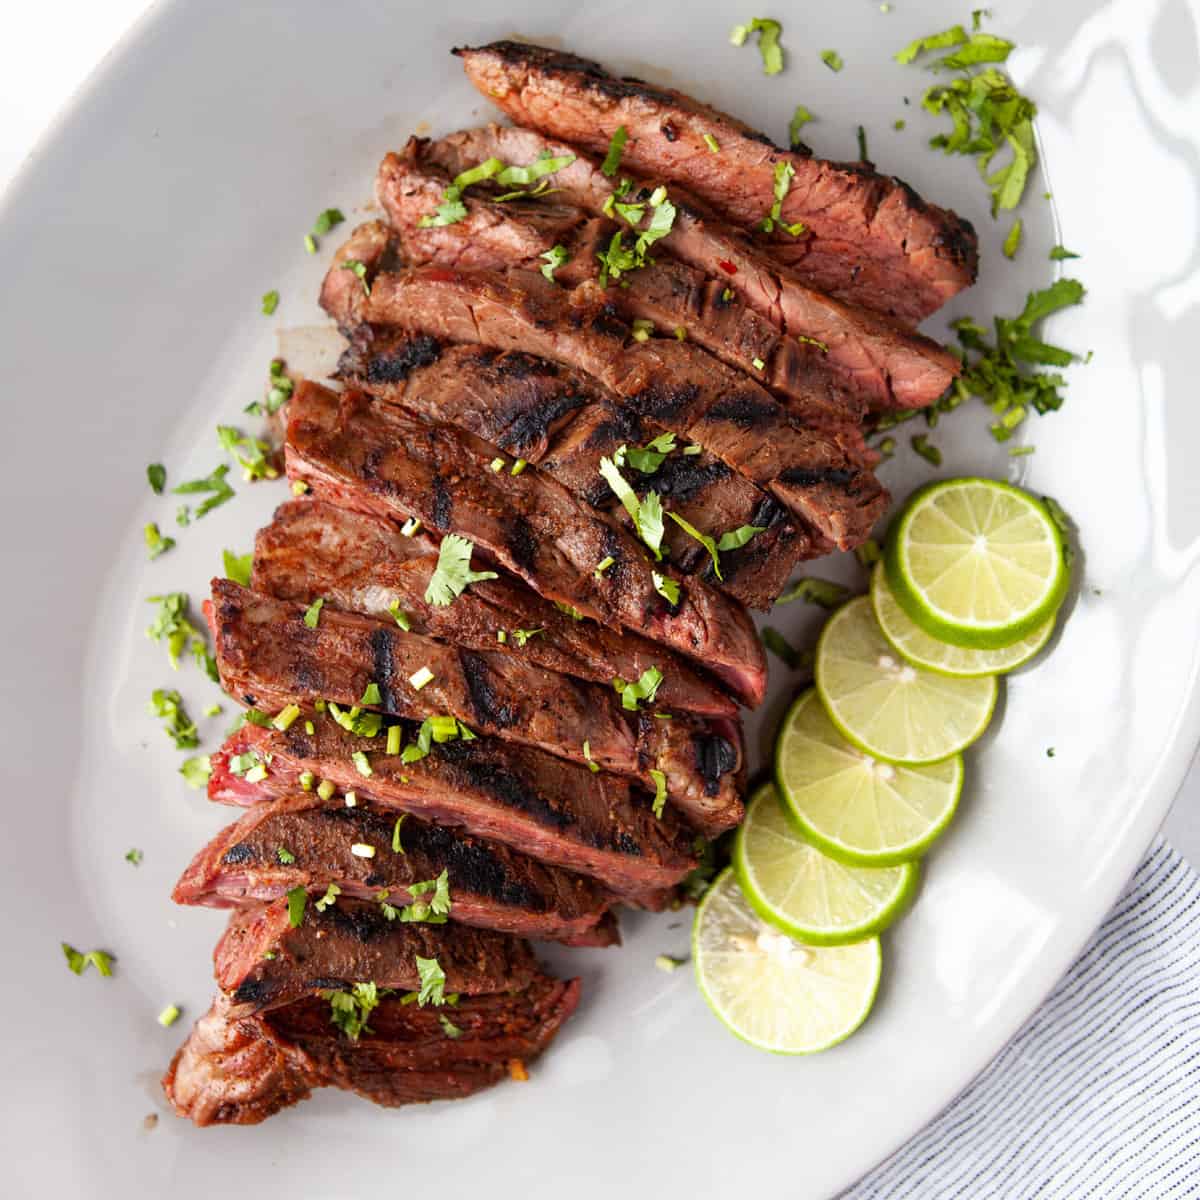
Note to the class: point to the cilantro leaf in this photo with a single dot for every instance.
(800, 118)
(332, 892)
(453, 572)
(155, 542)
(822, 592)
(784, 173)
(327, 220)
(702, 538)
(251, 454)
(956, 35)
(180, 728)
(768, 41)
(214, 484)
(358, 269)
(666, 587)
(736, 538)
(349, 1011)
(297, 900)
(156, 476)
(1059, 253)
(555, 257)
(312, 614)
(433, 911)
(196, 771)
(644, 688)
(650, 457)
(238, 566)
(79, 961)
(616, 145)
(1013, 241)
(433, 982)
(448, 1026)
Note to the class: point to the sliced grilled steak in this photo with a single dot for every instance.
(868, 238)
(565, 423)
(376, 458)
(819, 475)
(544, 807)
(262, 961)
(265, 650)
(362, 563)
(491, 886)
(871, 355)
(240, 1070)
(670, 294)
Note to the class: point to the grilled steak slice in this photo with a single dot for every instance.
(240, 1070)
(262, 961)
(862, 352)
(670, 294)
(565, 423)
(265, 650)
(491, 886)
(373, 457)
(819, 475)
(362, 563)
(868, 238)
(545, 807)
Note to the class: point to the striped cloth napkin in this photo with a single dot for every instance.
(1099, 1095)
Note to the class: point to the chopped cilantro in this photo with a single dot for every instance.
(822, 592)
(251, 454)
(603, 565)
(452, 210)
(327, 220)
(214, 484)
(332, 892)
(270, 302)
(736, 538)
(800, 118)
(666, 587)
(397, 848)
(371, 695)
(644, 688)
(832, 59)
(285, 856)
(79, 961)
(196, 771)
(156, 476)
(432, 911)
(593, 766)
(646, 513)
(616, 145)
(668, 962)
(448, 1026)
(782, 648)
(453, 572)
(172, 625)
(868, 554)
(155, 542)
(1013, 241)
(297, 899)
(433, 982)
(863, 154)
(768, 42)
(180, 728)
(660, 792)
(134, 856)
(349, 1011)
(1060, 253)
(399, 616)
(555, 257)
(899, 124)
(524, 635)
(238, 566)
(358, 269)
(702, 538)
(312, 614)
(569, 609)
(784, 173)
(650, 457)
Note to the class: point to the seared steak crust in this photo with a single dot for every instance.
(376, 458)
(240, 1070)
(362, 563)
(842, 346)
(557, 813)
(869, 238)
(263, 962)
(491, 886)
(564, 423)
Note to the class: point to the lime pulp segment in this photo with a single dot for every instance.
(772, 991)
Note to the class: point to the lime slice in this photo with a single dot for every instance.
(887, 707)
(807, 894)
(771, 991)
(855, 809)
(919, 648)
(976, 563)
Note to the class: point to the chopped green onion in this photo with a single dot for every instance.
(518, 466)
(155, 542)
(420, 678)
(603, 565)
(307, 779)
(326, 788)
(270, 302)
(169, 1015)
(660, 792)
(768, 42)
(399, 616)
(397, 848)
(394, 734)
(286, 718)
(313, 613)
(362, 764)
(930, 453)
(362, 850)
(832, 59)
(712, 143)
(156, 476)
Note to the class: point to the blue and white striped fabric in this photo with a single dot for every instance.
(1099, 1095)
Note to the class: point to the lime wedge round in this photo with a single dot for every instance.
(977, 563)
(807, 894)
(773, 992)
(856, 809)
(919, 648)
(887, 707)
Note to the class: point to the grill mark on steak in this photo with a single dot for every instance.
(472, 388)
(491, 886)
(263, 645)
(910, 257)
(241, 1070)
(852, 350)
(564, 815)
(350, 941)
(507, 309)
(443, 504)
(362, 563)
(378, 458)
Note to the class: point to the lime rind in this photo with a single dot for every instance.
(982, 601)
(888, 708)
(958, 662)
(807, 894)
(771, 991)
(854, 809)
